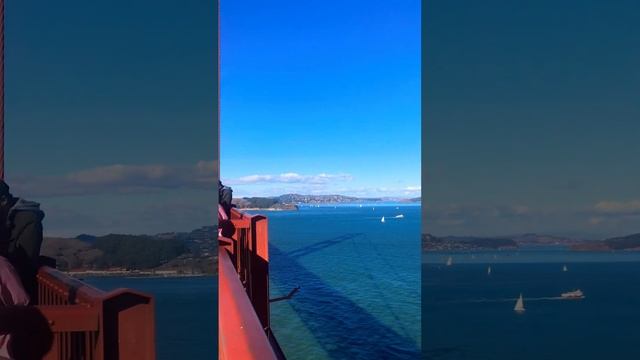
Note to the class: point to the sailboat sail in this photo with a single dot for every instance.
(564, 268)
(519, 304)
(449, 261)
(382, 220)
(489, 270)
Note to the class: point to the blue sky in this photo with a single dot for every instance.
(110, 111)
(531, 121)
(321, 98)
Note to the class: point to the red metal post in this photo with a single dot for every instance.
(260, 268)
(90, 324)
(128, 325)
(250, 253)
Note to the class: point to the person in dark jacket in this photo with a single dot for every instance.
(225, 197)
(21, 235)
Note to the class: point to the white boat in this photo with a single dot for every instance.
(576, 294)
(399, 216)
(564, 268)
(519, 305)
(449, 261)
(360, 205)
(382, 220)
(489, 270)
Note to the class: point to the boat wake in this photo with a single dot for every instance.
(510, 299)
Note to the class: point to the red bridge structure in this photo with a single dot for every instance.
(243, 270)
(88, 323)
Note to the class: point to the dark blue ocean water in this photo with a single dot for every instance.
(186, 313)
(469, 315)
(359, 279)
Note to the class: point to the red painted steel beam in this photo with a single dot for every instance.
(67, 285)
(241, 223)
(70, 317)
(241, 335)
(240, 220)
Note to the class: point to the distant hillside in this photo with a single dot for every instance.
(272, 203)
(543, 240)
(86, 238)
(287, 201)
(322, 199)
(182, 252)
(333, 199)
(136, 251)
(457, 243)
(71, 253)
(629, 242)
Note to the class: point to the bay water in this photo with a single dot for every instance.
(468, 314)
(359, 281)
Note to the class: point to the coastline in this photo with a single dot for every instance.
(265, 209)
(134, 273)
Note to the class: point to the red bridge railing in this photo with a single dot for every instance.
(243, 273)
(88, 323)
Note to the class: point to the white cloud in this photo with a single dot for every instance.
(413, 190)
(118, 178)
(289, 177)
(316, 184)
(618, 207)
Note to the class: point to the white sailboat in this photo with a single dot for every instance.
(449, 261)
(489, 270)
(564, 268)
(519, 305)
(399, 216)
(382, 220)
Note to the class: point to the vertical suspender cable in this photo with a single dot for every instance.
(2, 89)
(217, 161)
